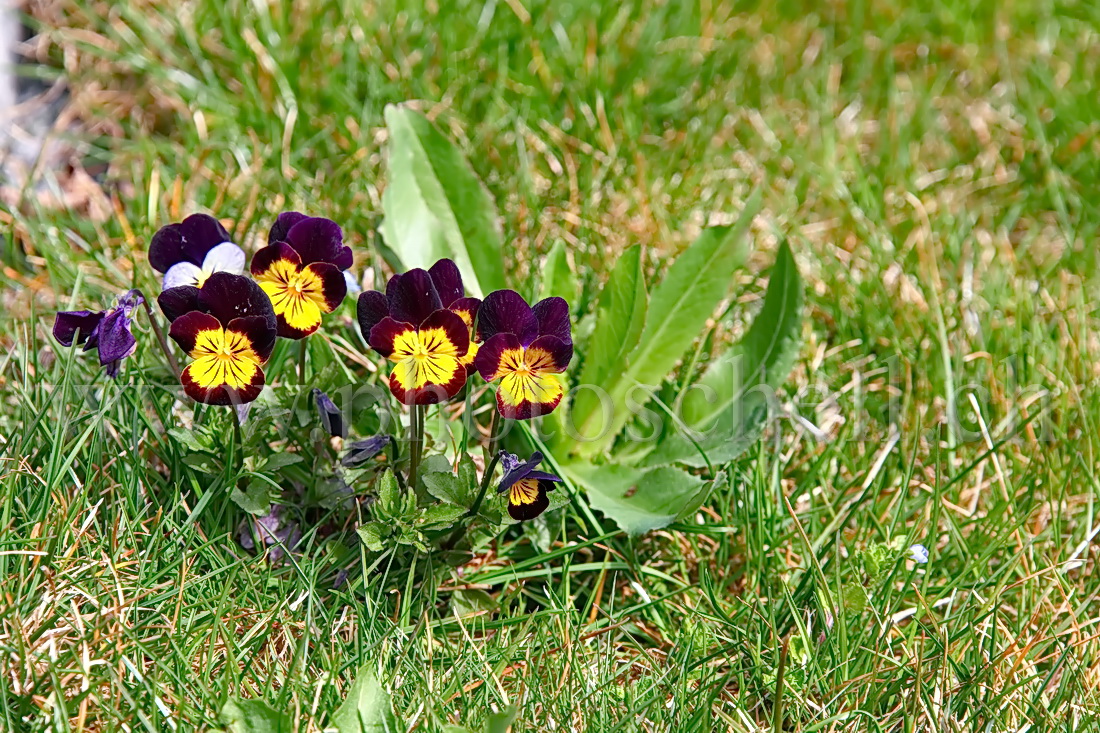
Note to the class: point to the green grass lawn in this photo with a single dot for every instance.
(935, 169)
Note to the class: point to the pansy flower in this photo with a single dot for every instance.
(443, 288)
(108, 332)
(525, 486)
(525, 348)
(194, 249)
(427, 342)
(301, 270)
(228, 328)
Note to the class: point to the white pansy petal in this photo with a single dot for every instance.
(181, 273)
(226, 257)
(354, 288)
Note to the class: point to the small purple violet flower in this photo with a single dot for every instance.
(918, 554)
(106, 331)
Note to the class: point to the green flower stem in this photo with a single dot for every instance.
(418, 416)
(238, 449)
(491, 459)
(302, 361)
(160, 338)
(485, 480)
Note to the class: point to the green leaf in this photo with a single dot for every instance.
(638, 499)
(435, 206)
(502, 722)
(190, 439)
(470, 601)
(373, 535)
(281, 460)
(730, 404)
(440, 516)
(255, 499)
(557, 278)
(678, 312)
(459, 490)
(390, 500)
(367, 707)
(620, 318)
(253, 716)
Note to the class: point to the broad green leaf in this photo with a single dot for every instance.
(679, 308)
(620, 318)
(557, 278)
(372, 534)
(639, 499)
(502, 722)
(446, 486)
(730, 404)
(440, 516)
(435, 206)
(467, 602)
(367, 708)
(764, 355)
(253, 716)
(255, 499)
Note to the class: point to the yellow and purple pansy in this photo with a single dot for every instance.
(526, 487)
(301, 270)
(228, 328)
(190, 251)
(411, 327)
(446, 291)
(526, 348)
(108, 332)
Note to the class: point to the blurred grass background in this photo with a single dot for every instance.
(935, 166)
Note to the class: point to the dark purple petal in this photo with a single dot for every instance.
(526, 510)
(466, 309)
(319, 240)
(185, 329)
(269, 255)
(222, 394)
(259, 332)
(68, 325)
(385, 332)
(282, 226)
(552, 315)
(505, 311)
(496, 354)
(452, 327)
(187, 241)
(227, 296)
(516, 470)
(548, 354)
(174, 302)
(369, 310)
(412, 297)
(448, 281)
(334, 288)
(129, 301)
(114, 339)
(331, 417)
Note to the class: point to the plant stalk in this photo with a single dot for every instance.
(417, 416)
(172, 363)
(491, 459)
(302, 361)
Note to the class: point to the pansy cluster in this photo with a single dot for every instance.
(227, 322)
(436, 336)
(227, 315)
